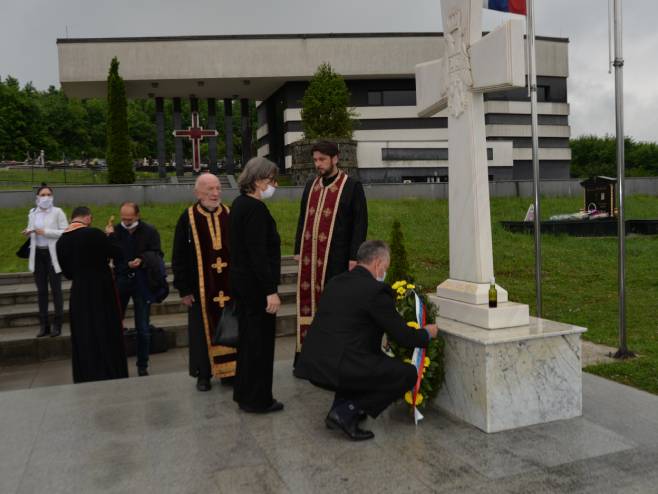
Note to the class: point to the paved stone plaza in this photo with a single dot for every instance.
(158, 434)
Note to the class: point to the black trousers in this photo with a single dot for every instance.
(199, 362)
(44, 274)
(376, 395)
(255, 364)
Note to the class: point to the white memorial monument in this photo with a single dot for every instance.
(504, 369)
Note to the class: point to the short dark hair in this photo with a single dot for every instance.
(44, 185)
(134, 205)
(325, 147)
(371, 250)
(80, 212)
(256, 169)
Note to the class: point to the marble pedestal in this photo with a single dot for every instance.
(514, 377)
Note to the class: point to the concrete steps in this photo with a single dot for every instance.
(19, 322)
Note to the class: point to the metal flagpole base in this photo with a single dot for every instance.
(623, 354)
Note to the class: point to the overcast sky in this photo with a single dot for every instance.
(29, 29)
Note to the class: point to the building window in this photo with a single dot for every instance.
(375, 98)
(396, 97)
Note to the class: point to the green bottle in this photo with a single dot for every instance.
(493, 294)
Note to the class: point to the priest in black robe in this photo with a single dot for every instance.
(200, 263)
(98, 350)
(332, 224)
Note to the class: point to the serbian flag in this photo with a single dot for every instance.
(418, 357)
(511, 6)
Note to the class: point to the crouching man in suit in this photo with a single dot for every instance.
(342, 351)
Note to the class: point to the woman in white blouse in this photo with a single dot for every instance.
(45, 224)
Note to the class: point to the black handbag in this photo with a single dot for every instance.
(24, 251)
(227, 329)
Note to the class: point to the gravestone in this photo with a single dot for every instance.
(503, 369)
(600, 194)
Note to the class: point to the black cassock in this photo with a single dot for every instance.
(201, 264)
(98, 350)
(255, 273)
(342, 351)
(350, 228)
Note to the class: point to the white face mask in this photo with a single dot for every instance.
(382, 277)
(44, 202)
(130, 226)
(267, 193)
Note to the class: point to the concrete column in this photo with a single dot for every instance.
(212, 141)
(178, 142)
(246, 130)
(228, 135)
(160, 137)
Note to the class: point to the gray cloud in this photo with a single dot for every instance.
(30, 28)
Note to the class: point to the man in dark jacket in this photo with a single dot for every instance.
(136, 239)
(342, 351)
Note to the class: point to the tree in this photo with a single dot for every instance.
(325, 106)
(119, 162)
(399, 267)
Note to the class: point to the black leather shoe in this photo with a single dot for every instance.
(203, 384)
(276, 406)
(359, 418)
(353, 431)
(56, 333)
(143, 371)
(43, 332)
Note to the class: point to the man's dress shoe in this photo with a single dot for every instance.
(352, 429)
(203, 384)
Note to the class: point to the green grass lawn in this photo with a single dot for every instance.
(24, 179)
(579, 274)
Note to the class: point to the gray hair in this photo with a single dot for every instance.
(371, 250)
(256, 169)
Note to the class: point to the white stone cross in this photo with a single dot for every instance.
(471, 66)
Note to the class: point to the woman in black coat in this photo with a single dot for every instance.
(255, 272)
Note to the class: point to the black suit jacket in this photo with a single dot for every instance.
(343, 345)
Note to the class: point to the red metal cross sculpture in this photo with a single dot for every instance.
(195, 133)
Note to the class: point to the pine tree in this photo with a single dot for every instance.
(119, 162)
(399, 268)
(325, 106)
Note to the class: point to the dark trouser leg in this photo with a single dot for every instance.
(255, 363)
(376, 401)
(41, 269)
(198, 346)
(58, 300)
(142, 318)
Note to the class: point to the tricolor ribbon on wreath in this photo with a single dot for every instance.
(418, 357)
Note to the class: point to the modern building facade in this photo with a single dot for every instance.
(394, 144)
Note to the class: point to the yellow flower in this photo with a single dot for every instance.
(413, 324)
(409, 396)
(426, 362)
(411, 287)
(407, 361)
(396, 285)
(401, 291)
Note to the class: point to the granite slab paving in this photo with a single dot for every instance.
(160, 435)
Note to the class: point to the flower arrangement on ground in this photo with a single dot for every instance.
(409, 300)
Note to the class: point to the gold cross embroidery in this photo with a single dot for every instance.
(327, 212)
(311, 211)
(221, 299)
(219, 265)
(322, 237)
(306, 261)
(306, 285)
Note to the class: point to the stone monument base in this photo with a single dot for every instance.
(513, 377)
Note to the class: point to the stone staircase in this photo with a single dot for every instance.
(19, 317)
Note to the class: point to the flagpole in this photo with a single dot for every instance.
(623, 352)
(532, 90)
